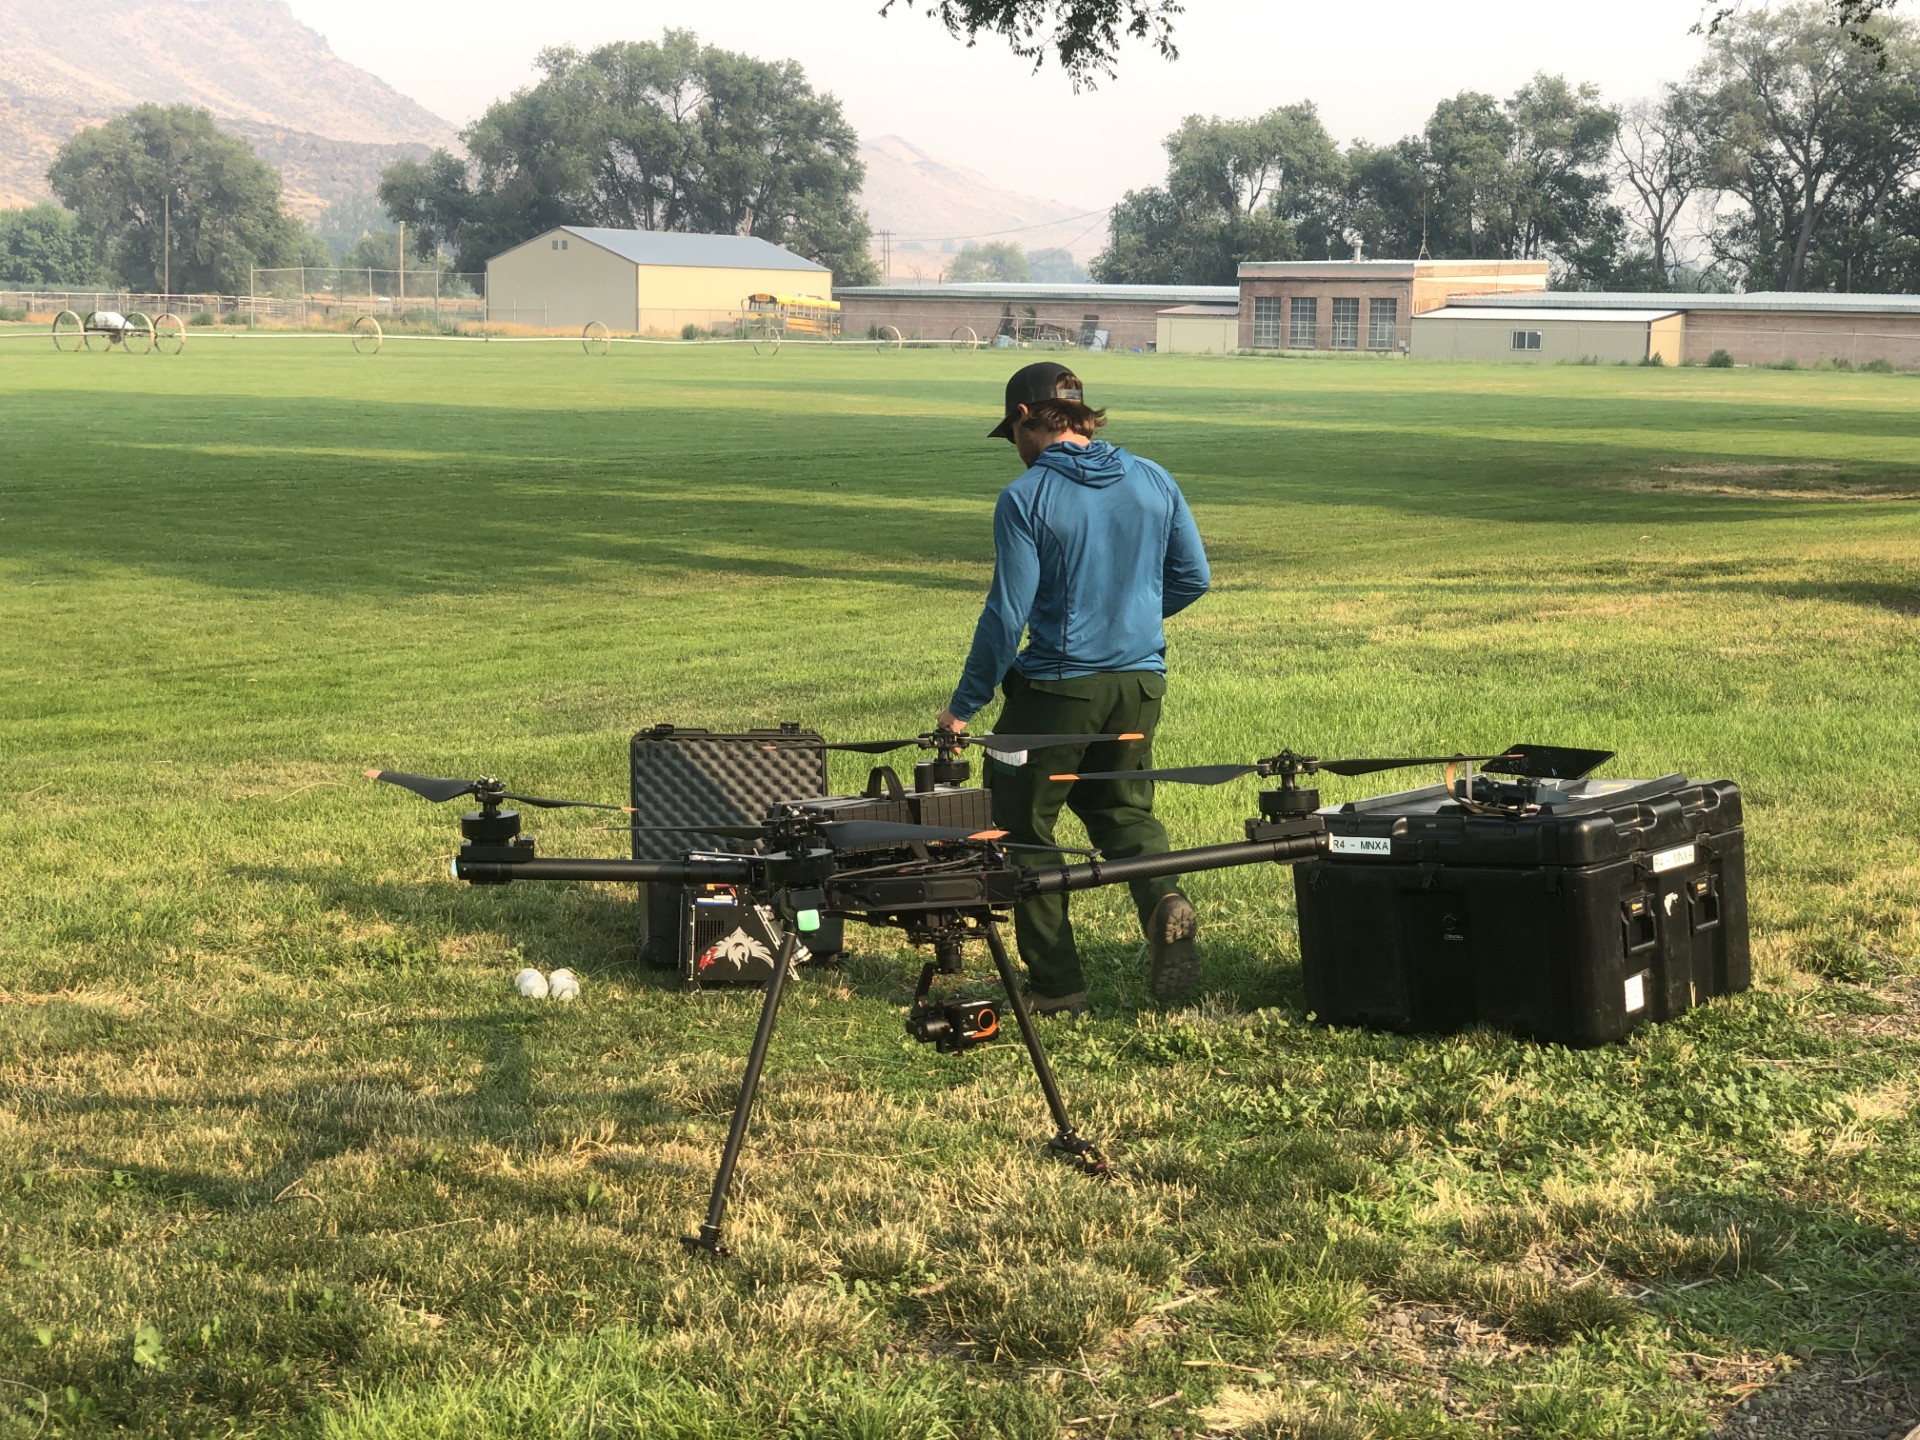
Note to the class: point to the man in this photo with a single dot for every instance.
(1093, 548)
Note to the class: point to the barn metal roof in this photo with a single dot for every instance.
(1784, 301)
(1544, 314)
(668, 247)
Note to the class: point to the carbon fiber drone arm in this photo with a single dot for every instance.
(674, 872)
(1283, 851)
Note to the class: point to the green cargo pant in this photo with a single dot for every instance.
(1118, 814)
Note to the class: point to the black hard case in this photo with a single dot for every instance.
(688, 777)
(1625, 903)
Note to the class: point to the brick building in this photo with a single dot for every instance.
(1363, 305)
(1767, 327)
(1127, 315)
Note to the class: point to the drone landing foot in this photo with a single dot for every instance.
(1080, 1154)
(1066, 1143)
(708, 1240)
(709, 1237)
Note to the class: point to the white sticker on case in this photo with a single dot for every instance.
(1361, 845)
(1636, 992)
(1673, 859)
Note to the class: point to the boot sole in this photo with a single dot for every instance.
(1175, 958)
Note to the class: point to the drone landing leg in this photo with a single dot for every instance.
(709, 1237)
(1065, 1144)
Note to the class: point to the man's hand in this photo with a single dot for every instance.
(947, 722)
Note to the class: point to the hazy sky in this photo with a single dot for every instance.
(1375, 67)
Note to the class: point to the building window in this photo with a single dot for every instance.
(563, 244)
(1266, 321)
(1303, 320)
(1346, 324)
(1526, 339)
(556, 244)
(1383, 324)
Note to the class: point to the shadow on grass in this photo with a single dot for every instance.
(472, 498)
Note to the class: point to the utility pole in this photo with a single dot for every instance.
(403, 269)
(886, 256)
(166, 245)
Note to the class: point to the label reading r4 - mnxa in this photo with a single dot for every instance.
(1673, 859)
(1361, 845)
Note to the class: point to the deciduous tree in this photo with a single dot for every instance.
(1235, 191)
(1084, 36)
(44, 245)
(160, 189)
(999, 260)
(638, 135)
(1659, 165)
(1814, 137)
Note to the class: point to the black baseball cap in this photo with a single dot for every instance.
(1044, 380)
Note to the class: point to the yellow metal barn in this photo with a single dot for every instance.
(641, 282)
(1539, 335)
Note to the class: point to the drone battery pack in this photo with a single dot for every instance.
(887, 799)
(1620, 902)
(730, 938)
(685, 778)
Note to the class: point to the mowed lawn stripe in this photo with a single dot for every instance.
(281, 1151)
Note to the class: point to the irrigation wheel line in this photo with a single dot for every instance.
(69, 333)
(595, 338)
(137, 337)
(965, 338)
(101, 340)
(169, 334)
(372, 336)
(766, 340)
(887, 339)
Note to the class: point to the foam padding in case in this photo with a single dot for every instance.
(684, 778)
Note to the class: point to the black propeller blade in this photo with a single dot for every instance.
(729, 832)
(1368, 767)
(1181, 775)
(878, 834)
(427, 786)
(961, 739)
(838, 834)
(437, 789)
(1301, 764)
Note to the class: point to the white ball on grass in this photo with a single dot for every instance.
(564, 985)
(531, 983)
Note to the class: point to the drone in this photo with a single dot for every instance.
(941, 886)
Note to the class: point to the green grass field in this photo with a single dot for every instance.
(282, 1153)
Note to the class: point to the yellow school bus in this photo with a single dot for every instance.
(794, 314)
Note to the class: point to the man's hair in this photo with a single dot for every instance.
(1055, 417)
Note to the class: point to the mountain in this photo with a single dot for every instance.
(330, 127)
(67, 64)
(933, 208)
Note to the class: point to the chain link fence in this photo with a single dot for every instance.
(309, 297)
(339, 301)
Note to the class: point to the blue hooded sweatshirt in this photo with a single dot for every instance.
(1092, 548)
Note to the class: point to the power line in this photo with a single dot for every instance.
(1017, 230)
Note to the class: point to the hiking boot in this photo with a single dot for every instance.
(1037, 1004)
(1173, 962)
